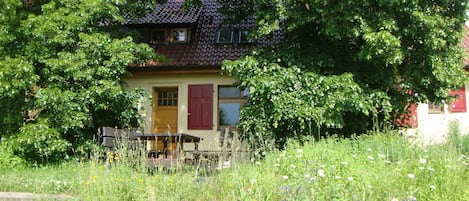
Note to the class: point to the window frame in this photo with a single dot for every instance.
(186, 35)
(152, 36)
(241, 99)
(248, 40)
(435, 108)
(225, 42)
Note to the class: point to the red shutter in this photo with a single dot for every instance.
(458, 105)
(200, 107)
(409, 119)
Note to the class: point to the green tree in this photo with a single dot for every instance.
(345, 65)
(61, 63)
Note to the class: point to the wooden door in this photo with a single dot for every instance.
(165, 110)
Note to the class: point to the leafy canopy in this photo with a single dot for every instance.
(61, 63)
(343, 65)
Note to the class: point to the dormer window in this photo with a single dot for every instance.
(225, 36)
(169, 35)
(158, 36)
(178, 35)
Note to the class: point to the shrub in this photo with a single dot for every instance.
(8, 160)
(38, 144)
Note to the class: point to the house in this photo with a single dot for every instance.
(431, 121)
(190, 94)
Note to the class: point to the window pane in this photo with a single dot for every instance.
(243, 37)
(158, 36)
(229, 113)
(228, 92)
(225, 36)
(178, 35)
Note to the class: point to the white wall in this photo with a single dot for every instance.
(433, 128)
(181, 81)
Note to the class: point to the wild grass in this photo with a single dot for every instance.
(370, 167)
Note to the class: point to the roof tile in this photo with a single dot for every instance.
(202, 49)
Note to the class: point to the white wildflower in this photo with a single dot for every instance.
(432, 187)
(292, 166)
(285, 177)
(395, 199)
(350, 178)
(276, 165)
(388, 162)
(422, 161)
(299, 151)
(344, 163)
(369, 149)
(411, 176)
(337, 177)
(371, 158)
(321, 173)
(431, 169)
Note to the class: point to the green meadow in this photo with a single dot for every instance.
(375, 166)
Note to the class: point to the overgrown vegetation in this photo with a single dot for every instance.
(379, 166)
(343, 65)
(61, 65)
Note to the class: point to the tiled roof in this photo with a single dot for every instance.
(202, 49)
(172, 12)
(465, 43)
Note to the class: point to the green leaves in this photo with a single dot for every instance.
(346, 64)
(61, 64)
(38, 144)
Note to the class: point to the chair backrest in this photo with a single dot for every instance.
(110, 136)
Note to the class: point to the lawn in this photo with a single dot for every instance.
(369, 167)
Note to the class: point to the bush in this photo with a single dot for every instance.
(38, 144)
(8, 160)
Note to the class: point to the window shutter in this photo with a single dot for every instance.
(200, 108)
(410, 119)
(458, 105)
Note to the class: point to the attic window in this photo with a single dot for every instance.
(244, 37)
(158, 36)
(225, 36)
(178, 35)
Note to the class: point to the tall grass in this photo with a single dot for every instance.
(370, 167)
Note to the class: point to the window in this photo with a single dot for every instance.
(158, 36)
(225, 36)
(230, 102)
(244, 37)
(168, 97)
(459, 104)
(178, 35)
(435, 108)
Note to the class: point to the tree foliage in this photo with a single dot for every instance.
(61, 63)
(343, 64)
